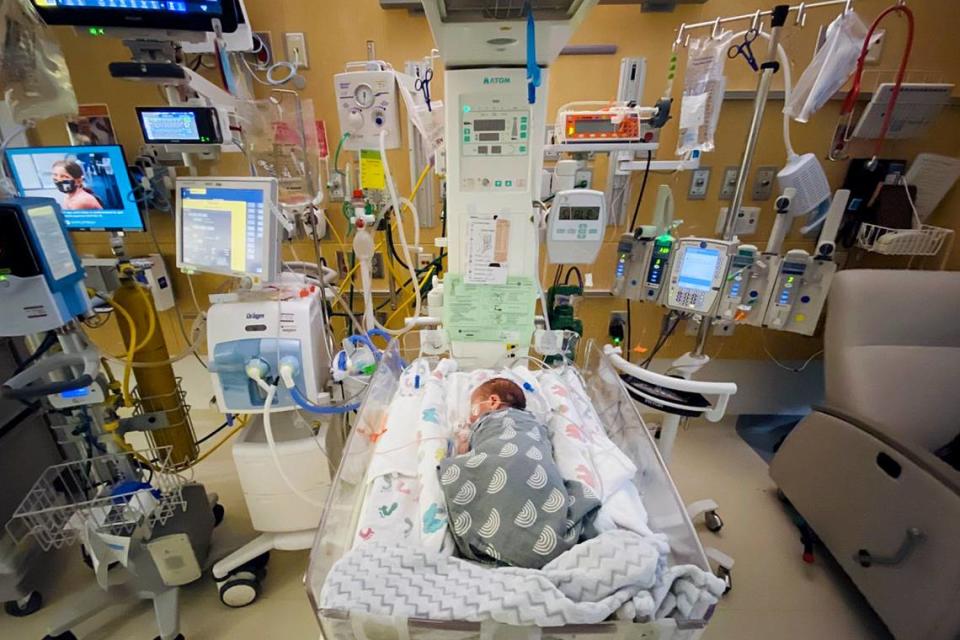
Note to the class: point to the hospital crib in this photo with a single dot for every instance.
(624, 426)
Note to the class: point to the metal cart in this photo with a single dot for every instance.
(129, 509)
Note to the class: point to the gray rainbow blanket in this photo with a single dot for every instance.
(507, 502)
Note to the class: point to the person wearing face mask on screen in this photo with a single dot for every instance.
(68, 177)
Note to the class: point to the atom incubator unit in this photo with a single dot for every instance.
(387, 503)
(132, 510)
(269, 354)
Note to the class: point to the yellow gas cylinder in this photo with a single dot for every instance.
(156, 386)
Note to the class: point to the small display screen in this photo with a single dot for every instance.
(594, 126)
(211, 7)
(170, 125)
(489, 125)
(90, 183)
(488, 137)
(222, 228)
(698, 268)
(579, 213)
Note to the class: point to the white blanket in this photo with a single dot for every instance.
(391, 506)
(617, 572)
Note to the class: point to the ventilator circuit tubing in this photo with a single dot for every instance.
(306, 405)
(271, 443)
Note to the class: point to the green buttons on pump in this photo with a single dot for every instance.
(523, 148)
(498, 183)
(509, 183)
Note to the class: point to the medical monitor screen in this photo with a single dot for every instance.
(698, 268)
(90, 183)
(170, 125)
(179, 125)
(225, 229)
(186, 15)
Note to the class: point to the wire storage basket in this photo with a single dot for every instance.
(111, 494)
(179, 432)
(925, 240)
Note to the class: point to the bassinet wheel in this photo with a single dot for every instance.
(713, 521)
(724, 574)
(218, 513)
(66, 635)
(239, 592)
(32, 604)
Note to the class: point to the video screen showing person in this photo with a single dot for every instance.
(91, 184)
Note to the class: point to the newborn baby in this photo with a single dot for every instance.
(505, 497)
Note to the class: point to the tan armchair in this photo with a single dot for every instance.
(862, 470)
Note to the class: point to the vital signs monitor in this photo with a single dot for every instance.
(228, 226)
(90, 183)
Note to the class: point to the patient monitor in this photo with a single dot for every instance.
(697, 276)
(229, 226)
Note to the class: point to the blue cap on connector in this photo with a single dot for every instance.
(528, 387)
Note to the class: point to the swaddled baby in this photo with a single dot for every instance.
(506, 499)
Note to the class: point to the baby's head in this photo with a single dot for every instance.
(496, 394)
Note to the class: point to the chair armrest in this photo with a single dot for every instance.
(925, 460)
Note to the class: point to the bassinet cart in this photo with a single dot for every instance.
(627, 430)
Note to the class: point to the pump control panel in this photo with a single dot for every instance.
(697, 274)
(800, 293)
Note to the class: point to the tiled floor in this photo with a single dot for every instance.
(775, 595)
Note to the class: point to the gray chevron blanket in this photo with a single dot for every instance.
(617, 574)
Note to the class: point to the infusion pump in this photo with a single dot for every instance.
(698, 274)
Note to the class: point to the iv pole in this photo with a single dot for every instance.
(769, 67)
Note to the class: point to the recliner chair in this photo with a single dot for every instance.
(862, 470)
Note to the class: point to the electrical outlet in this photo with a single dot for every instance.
(335, 187)
(618, 318)
(377, 270)
(746, 223)
(763, 183)
(699, 183)
(729, 183)
(424, 260)
(693, 325)
(297, 49)
(723, 327)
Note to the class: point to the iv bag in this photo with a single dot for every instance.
(33, 74)
(703, 87)
(831, 67)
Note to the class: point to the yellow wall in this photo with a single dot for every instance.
(337, 32)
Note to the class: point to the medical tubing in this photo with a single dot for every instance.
(128, 363)
(272, 445)
(392, 188)
(49, 340)
(306, 405)
(854, 93)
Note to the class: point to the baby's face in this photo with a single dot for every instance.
(482, 404)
